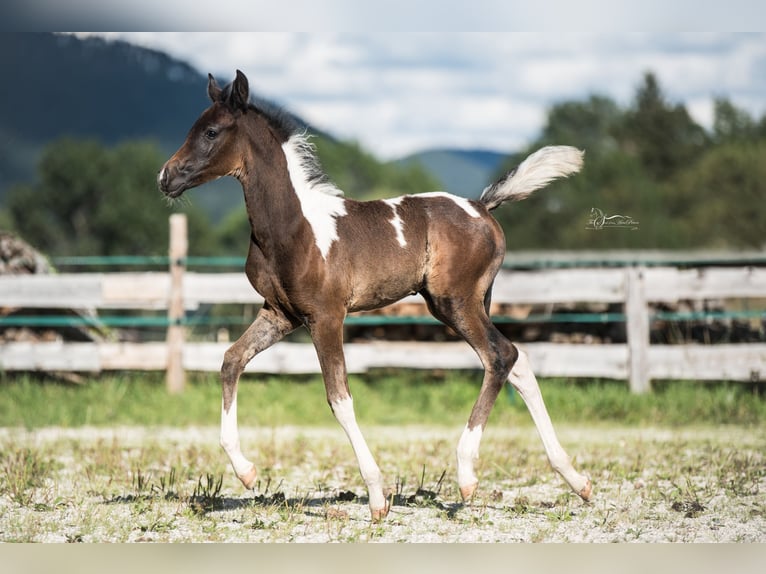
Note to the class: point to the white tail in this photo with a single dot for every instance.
(535, 172)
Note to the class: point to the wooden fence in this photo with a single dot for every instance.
(179, 291)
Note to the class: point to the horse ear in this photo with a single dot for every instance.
(240, 92)
(213, 89)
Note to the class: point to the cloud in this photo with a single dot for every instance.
(399, 92)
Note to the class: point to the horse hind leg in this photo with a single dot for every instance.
(497, 354)
(268, 328)
(501, 360)
(524, 381)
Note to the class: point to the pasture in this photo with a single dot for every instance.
(119, 460)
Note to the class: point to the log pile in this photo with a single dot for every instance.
(17, 257)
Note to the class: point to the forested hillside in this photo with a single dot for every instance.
(86, 124)
(686, 187)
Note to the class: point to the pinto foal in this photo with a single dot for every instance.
(315, 256)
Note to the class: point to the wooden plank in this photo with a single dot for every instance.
(150, 290)
(622, 257)
(78, 290)
(219, 288)
(668, 284)
(135, 290)
(282, 358)
(637, 327)
(131, 356)
(50, 356)
(559, 286)
(565, 360)
(745, 362)
(548, 359)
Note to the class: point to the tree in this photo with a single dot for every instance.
(612, 180)
(590, 125)
(661, 134)
(92, 200)
(724, 197)
(732, 124)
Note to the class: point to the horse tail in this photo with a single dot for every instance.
(535, 172)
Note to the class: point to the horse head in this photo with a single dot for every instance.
(211, 149)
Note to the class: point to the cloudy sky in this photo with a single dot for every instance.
(399, 92)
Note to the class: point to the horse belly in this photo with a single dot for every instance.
(382, 286)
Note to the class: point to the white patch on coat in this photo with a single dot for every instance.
(467, 454)
(368, 468)
(230, 440)
(321, 202)
(397, 221)
(461, 202)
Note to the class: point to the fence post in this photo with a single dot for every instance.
(175, 378)
(637, 327)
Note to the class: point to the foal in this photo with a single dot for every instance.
(315, 256)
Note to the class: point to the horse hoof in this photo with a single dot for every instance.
(248, 479)
(586, 491)
(467, 492)
(380, 513)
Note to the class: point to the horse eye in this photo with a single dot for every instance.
(211, 134)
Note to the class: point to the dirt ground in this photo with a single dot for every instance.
(172, 485)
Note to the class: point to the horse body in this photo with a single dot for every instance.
(315, 256)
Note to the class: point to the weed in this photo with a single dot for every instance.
(23, 470)
(686, 500)
(158, 523)
(207, 494)
(521, 505)
(166, 487)
(141, 483)
(258, 524)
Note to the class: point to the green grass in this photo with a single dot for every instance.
(381, 398)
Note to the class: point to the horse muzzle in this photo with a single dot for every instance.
(172, 181)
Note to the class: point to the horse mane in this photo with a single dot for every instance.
(297, 136)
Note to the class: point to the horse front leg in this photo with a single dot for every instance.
(328, 340)
(524, 381)
(269, 327)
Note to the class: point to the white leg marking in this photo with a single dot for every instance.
(467, 454)
(397, 221)
(524, 381)
(461, 202)
(321, 203)
(230, 441)
(344, 412)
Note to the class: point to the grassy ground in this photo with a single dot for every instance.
(117, 459)
(161, 485)
(381, 398)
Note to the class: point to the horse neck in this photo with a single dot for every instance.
(273, 208)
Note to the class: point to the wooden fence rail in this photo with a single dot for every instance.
(178, 290)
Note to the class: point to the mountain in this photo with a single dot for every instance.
(462, 172)
(61, 85)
